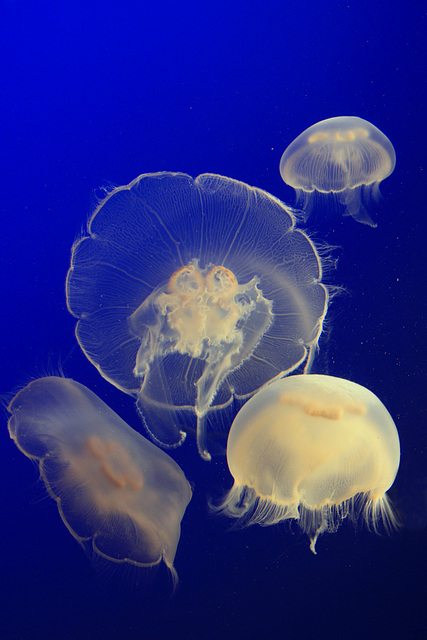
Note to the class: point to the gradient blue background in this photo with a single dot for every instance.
(96, 93)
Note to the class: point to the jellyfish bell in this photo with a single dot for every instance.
(315, 449)
(344, 157)
(120, 496)
(190, 292)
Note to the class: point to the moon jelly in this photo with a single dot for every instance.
(315, 449)
(191, 291)
(345, 157)
(117, 493)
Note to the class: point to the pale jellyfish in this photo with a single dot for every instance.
(344, 157)
(118, 494)
(315, 449)
(192, 291)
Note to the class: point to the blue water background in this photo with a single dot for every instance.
(96, 93)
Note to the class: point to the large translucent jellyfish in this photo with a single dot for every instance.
(345, 157)
(189, 291)
(312, 448)
(118, 494)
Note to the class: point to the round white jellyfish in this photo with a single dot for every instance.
(344, 157)
(118, 494)
(189, 292)
(315, 449)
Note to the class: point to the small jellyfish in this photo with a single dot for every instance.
(316, 449)
(189, 292)
(118, 494)
(345, 157)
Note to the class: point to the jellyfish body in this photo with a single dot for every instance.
(346, 157)
(118, 494)
(312, 448)
(190, 291)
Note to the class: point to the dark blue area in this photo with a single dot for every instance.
(96, 93)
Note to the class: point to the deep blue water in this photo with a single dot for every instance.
(96, 93)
